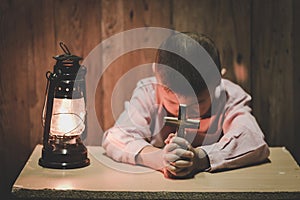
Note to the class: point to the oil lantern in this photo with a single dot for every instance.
(64, 114)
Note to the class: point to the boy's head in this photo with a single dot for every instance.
(175, 71)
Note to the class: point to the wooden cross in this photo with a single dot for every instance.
(181, 123)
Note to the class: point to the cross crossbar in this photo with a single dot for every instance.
(181, 123)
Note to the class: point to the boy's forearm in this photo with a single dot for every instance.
(151, 157)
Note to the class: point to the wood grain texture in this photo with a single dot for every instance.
(129, 15)
(30, 31)
(15, 99)
(228, 24)
(3, 111)
(296, 78)
(258, 42)
(111, 24)
(272, 82)
(40, 48)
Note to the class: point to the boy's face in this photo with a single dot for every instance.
(196, 106)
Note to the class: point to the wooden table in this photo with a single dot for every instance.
(278, 179)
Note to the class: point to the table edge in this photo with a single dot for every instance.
(84, 194)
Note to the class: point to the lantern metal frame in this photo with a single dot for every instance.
(64, 152)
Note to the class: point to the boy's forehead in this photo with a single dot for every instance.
(203, 95)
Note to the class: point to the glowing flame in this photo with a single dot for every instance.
(68, 117)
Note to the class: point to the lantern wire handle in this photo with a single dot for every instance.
(48, 75)
(64, 48)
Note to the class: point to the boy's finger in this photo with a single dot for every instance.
(177, 172)
(169, 157)
(170, 147)
(183, 143)
(182, 153)
(171, 168)
(170, 136)
(182, 163)
(174, 170)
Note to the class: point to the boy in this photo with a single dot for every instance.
(228, 137)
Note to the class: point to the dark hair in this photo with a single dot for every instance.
(179, 68)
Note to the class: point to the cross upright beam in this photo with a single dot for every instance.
(181, 123)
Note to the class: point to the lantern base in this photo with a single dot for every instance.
(64, 156)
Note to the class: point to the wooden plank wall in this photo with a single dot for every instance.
(275, 73)
(129, 15)
(257, 40)
(296, 77)
(228, 24)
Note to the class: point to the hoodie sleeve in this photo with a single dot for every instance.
(131, 132)
(243, 141)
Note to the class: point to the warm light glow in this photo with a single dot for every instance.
(68, 117)
(241, 72)
(64, 186)
(223, 71)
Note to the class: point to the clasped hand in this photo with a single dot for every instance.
(180, 159)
